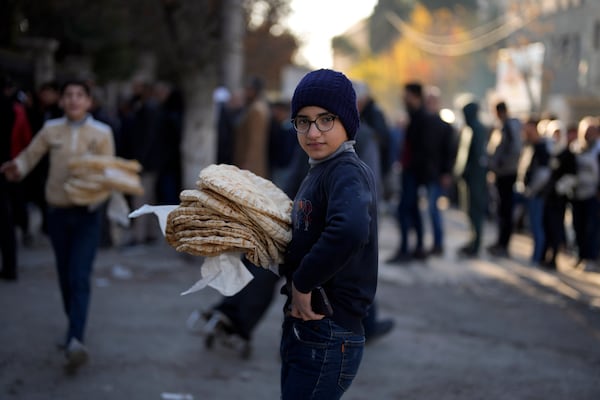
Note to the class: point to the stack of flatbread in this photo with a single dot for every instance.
(232, 210)
(93, 177)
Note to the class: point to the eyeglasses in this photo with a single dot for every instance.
(324, 123)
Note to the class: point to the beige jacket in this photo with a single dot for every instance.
(64, 141)
(251, 142)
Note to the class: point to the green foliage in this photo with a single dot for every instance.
(182, 34)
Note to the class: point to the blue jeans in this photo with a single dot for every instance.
(74, 233)
(434, 192)
(535, 208)
(319, 359)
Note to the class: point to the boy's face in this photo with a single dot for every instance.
(317, 144)
(76, 102)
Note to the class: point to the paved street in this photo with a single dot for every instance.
(477, 329)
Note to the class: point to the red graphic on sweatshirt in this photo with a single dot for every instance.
(303, 210)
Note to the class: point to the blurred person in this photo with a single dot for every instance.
(100, 112)
(15, 135)
(392, 181)
(239, 314)
(471, 168)
(443, 149)
(585, 203)
(368, 150)
(282, 142)
(367, 145)
(74, 230)
(251, 137)
(229, 108)
(536, 178)
(169, 177)
(372, 115)
(45, 106)
(504, 163)
(559, 191)
(413, 160)
(144, 141)
(332, 257)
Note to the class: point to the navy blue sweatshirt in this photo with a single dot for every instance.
(334, 241)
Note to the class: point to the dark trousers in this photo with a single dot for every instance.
(371, 319)
(75, 234)
(8, 242)
(473, 197)
(554, 226)
(504, 186)
(246, 308)
(585, 225)
(409, 214)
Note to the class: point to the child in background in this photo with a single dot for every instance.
(74, 231)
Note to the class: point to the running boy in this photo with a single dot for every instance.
(74, 231)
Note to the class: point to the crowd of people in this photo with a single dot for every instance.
(539, 168)
(556, 174)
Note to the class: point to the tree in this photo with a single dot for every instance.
(196, 43)
(381, 33)
(268, 46)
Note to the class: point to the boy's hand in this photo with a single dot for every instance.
(10, 171)
(301, 306)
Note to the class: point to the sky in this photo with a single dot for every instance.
(316, 22)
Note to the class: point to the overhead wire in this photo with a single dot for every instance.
(478, 38)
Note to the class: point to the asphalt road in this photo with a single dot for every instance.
(478, 329)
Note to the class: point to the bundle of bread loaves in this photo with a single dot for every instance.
(232, 210)
(92, 178)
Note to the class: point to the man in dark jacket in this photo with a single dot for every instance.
(426, 160)
(413, 170)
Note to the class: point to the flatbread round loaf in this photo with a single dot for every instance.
(100, 162)
(85, 197)
(84, 184)
(232, 210)
(216, 203)
(246, 189)
(123, 181)
(96, 172)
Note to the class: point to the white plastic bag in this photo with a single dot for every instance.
(118, 209)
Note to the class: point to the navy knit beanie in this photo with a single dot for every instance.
(332, 91)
